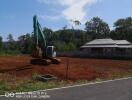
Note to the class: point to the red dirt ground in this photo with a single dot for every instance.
(78, 68)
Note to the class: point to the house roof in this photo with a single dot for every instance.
(98, 46)
(122, 42)
(100, 43)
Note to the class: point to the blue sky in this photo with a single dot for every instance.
(16, 15)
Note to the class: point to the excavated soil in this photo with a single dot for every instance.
(87, 69)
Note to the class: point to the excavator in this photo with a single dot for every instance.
(42, 53)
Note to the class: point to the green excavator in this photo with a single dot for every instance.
(43, 53)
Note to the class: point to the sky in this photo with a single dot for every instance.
(16, 15)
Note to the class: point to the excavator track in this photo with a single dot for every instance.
(55, 61)
(37, 61)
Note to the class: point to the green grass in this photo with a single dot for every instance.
(30, 85)
(33, 85)
(10, 53)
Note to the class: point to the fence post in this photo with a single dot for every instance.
(67, 68)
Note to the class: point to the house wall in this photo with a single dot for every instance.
(108, 52)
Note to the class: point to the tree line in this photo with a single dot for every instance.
(66, 39)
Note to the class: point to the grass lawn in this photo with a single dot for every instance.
(33, 85)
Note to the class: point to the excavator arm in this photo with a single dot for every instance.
(39, 37)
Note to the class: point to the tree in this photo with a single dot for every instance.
(65, 46)
(49, 35)
(97, 28)
(123, 29)
(123, 23)
(1, 43)
(26, 43)
(11, 42)
(65, 27)
(66, 36)
(10, 38)
(70, 38)
(76, 23)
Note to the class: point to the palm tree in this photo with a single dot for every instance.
(75, 22)
(65, 27)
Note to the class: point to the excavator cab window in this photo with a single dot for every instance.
(50, 51)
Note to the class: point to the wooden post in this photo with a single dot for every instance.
(67, 68)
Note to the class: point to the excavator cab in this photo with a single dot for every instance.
(50, 51)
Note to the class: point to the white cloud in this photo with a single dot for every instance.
(45, 17)
(47, 1)
(74, 9)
